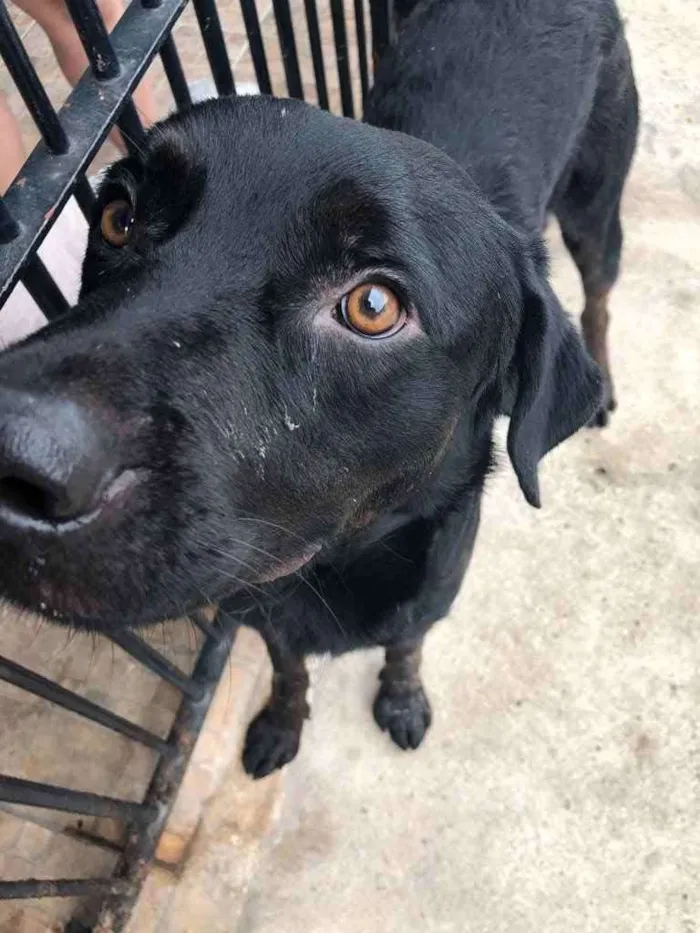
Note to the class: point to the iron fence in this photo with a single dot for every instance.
(55, 171)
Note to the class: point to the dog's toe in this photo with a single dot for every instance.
(406, 716)
(269, 745)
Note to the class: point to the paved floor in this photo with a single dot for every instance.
(559, 789)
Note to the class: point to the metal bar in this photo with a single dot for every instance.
(288, 47)
(33, 794)
(316, 53)
(140, 848)
(204, 625)
(155, 662)
(361, 47)
(8, 224)
(73, 887)
(41, 286)
(382, 16)
(341, 55)
(131, 128)
(256, 45)
(215, 46)
(85, 197)
(28, 84)
(175, 74)
(93, 34)
(46, 181)
(40, 686)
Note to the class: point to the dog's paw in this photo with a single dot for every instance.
(602, 417)
(270, 744)
(405, 715)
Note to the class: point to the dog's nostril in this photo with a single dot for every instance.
(28, 499)
(55, 459)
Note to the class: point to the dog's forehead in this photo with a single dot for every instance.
(273, 155)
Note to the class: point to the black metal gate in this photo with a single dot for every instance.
(54, 171)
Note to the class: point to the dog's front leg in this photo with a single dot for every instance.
(401, 707)
(273, 736)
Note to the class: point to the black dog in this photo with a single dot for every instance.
(279, 386)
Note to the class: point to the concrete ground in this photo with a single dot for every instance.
(559, 789)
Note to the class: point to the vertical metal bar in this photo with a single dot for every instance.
(28, 84)
(255, 43)
(382, 15)
(38, 282)
(174, 73)
(131, 128)
(140, 848)
(288, 47)
(8, 224)
(94, 37)
(215, 46)
(341, 55)
(361, 47)
(85, 197)
(316, 53)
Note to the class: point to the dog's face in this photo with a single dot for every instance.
(284, 319)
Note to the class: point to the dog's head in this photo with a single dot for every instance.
(284, 317)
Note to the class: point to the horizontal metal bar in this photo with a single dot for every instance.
(215, 45)
(42, 687)
(28, 84)
(95, 39)
(175, 74)
(341, 56)
(46, 181)
(51, 797)
(256, 46)
(142, 652)
(140, 848)
(63, 887)
(316, 53)
(290, 60)
(39, 283)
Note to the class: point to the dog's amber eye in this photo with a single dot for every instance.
(372, 311)
(117, 218)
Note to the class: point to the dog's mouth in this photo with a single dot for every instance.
(290, 565)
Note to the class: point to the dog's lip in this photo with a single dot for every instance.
(111, 499)
(285, 567)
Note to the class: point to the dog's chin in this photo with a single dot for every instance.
(74, 608)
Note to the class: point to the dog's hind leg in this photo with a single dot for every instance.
(273, 736)
(401, 706)
(588, 209)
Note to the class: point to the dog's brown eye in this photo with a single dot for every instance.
(117, 218)
(373, 311)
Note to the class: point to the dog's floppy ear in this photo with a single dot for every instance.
(555, 387)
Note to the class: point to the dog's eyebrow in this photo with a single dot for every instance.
(174, 176)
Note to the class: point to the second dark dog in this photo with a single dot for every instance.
(279, 386)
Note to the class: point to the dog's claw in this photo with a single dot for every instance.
(601, 419)
(269, 745)
(406, 716)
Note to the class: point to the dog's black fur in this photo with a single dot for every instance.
(250, 432)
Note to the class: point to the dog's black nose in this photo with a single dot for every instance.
(55, 460)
